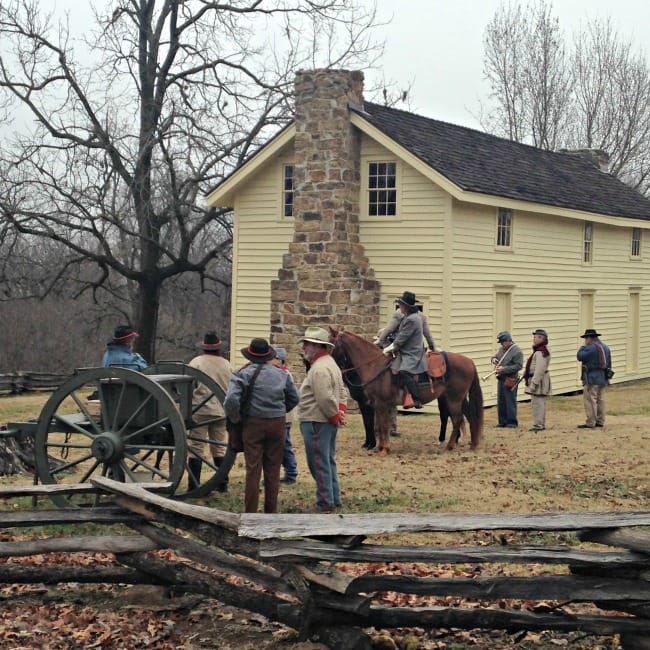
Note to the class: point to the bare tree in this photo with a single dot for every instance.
(525, 63)
(597, 95)
(134, 121)
(611, 102)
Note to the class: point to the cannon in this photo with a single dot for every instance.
(127, 425)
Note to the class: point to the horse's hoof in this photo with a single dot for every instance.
(383, 451)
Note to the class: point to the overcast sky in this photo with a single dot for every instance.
(438, 44)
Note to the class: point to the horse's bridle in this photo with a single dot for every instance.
(344, 371)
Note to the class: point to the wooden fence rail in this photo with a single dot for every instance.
(303, 562)
(23, 381)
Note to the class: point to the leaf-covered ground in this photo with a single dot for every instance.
(563, 468)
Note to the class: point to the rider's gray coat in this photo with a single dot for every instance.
(408, 346)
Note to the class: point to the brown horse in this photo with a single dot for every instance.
(460, 387)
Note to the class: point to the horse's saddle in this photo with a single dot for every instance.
(436, 365)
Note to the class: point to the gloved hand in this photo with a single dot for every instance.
(389, 351)
(339, 419)
(375, 341)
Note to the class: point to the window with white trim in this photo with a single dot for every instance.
(588, 242)
(382, 189)
(636, 242)
(504, 228)
(287, 191)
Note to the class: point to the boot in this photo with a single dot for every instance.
(222, 486)
(412, 388)
(193, 473)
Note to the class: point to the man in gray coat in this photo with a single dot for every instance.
(410, 358)
(508, 360)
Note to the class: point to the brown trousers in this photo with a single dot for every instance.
(263, 451)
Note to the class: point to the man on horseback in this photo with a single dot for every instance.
(407, 347)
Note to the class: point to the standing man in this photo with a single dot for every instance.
(410, 359)
(120, 352)
(271, 394)
(537, 378)
(508, 360)
(213, 435)
(323, 403)
(596, 360)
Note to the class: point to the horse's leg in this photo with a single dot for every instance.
(456, 414)
(382, 428)
(368, 416)
(443, 409)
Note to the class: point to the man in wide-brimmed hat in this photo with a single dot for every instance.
(208, 442)
(272, 395)
(596, 360)
(323, 403)
(508, 361)
(410, 358)
(119, 350)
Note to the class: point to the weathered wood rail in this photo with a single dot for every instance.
(28, 380)
(295, 558)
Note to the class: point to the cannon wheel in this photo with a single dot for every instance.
(89, 443)
(211, 474)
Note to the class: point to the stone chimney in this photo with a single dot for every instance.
(325, 278)
(596, 157)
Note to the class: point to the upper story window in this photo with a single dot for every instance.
(588, 242)
(287, 191)
(636, 242)
(504, 227)
(382, 189)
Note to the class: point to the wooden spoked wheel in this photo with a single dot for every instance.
(201, 451)
(133, 432)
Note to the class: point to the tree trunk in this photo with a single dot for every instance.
(146, 317)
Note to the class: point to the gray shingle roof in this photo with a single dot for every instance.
(480, 162)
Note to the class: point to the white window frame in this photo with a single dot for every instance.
(588, 242)
(636, 240)
(287, 193)
(366, 189)
(504, 229)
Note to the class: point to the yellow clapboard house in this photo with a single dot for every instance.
(489, 234)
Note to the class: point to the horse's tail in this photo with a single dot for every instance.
(475, 410)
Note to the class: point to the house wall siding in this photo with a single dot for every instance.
(407, 251)
(262, 236)
(545, 274)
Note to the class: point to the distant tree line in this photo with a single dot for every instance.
(589, 91)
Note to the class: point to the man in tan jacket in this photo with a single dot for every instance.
(321, 411)
(212, 435)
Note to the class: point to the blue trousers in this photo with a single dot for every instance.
(320, 449)
(506, 405)
(289, 462)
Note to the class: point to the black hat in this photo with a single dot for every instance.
(124, 332)
(211, 341)
(259, 351)
(590, 333)
(540, 332)
(408, 300)
(504, 336)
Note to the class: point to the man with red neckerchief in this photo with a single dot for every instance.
(321, 411)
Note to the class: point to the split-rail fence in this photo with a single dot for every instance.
(298, 560)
